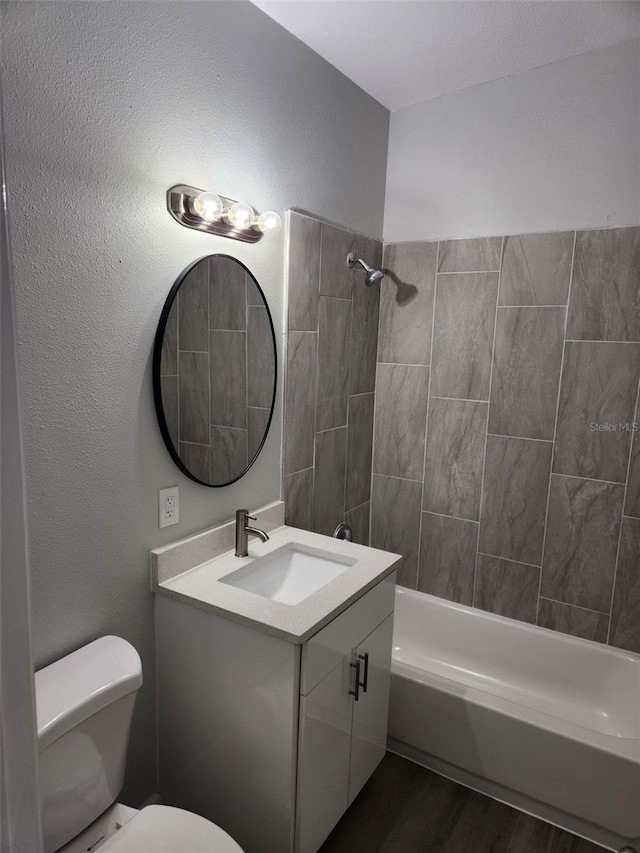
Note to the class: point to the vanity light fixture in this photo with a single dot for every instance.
(219, 215)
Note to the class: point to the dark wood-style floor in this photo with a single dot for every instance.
(404, 808)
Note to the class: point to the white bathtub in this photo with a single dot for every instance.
(545, 722)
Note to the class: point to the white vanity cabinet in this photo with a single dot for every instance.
(344, 706)
(265, 736)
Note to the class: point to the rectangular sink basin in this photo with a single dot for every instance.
(290, 573)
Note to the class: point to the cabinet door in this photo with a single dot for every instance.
(323, 757)
(371, 711)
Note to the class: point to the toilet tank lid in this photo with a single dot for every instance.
(82, 683)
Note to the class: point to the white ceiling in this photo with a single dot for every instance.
(403, 52)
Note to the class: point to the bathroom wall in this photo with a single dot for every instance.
(506, 450)
(107, 105)
(331, 373)
(552, 149)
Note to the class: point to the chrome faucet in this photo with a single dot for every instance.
(243, 532)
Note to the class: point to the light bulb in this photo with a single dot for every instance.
(269, 222)
(240, 215)
(207, 206)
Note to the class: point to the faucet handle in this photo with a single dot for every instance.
(252, 518)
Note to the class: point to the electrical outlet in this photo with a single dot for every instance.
(168, 506)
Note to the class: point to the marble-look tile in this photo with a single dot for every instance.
(358, 519)
(455, 454)
(632, 503)
(228, 353)
(169, 351)
(526, 371)
(406, 303)
(334, 325)
(479, 254)
(514, 498)
(300, 401)
(447, 557)
(227, 294)
(257, 420)
(193, 396)
(261, 359)
(576, 621)
(464, 321)
(228, 454)
(195, 458)
(605, 297)
(254, 295)
(359, 448)
(395, 522)
(625, 616)
(597, 400)
(581, 543)
(298, 499)
(507, 588)
(304, 272)
(169, 393)
(336, 279)
(328, 487)
(193, 310)
(364, 325)
(401, 414)
(536, 269)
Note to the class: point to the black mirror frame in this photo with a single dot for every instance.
(157, 385)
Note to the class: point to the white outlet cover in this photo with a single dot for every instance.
(165, 519)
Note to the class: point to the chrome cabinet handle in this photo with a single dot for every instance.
(365, 658)
(356, 692)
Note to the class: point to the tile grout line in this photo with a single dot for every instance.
(577, 606)
(400, 364)
(624, 500)
(457, 399)
(509, 560)
(520, 437)
(531, 306)
(465, 272)
(375, 409)
(585, 341)
(315, 394)
(486, 428)
(353, 509)
(426, 422)
(555, 427)
(454, 517)
(346, 435)
(394, 477)
(589, 479)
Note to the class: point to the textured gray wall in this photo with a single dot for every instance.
(108, 105)
(552, 149)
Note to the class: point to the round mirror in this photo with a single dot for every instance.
(214, 370)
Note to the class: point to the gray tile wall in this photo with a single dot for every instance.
(217, 370)
(332, 343)
(506, 466)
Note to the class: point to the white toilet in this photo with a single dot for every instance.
(85, 703)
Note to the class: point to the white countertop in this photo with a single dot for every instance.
(201, 586)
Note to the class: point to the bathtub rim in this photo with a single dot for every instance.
(567, 639)
(626, 746)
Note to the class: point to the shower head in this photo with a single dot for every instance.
(373, 275)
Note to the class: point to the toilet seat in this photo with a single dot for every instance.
(164, 829)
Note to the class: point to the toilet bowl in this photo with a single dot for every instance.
(84, 705)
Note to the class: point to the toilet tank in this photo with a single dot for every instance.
(84, 704)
